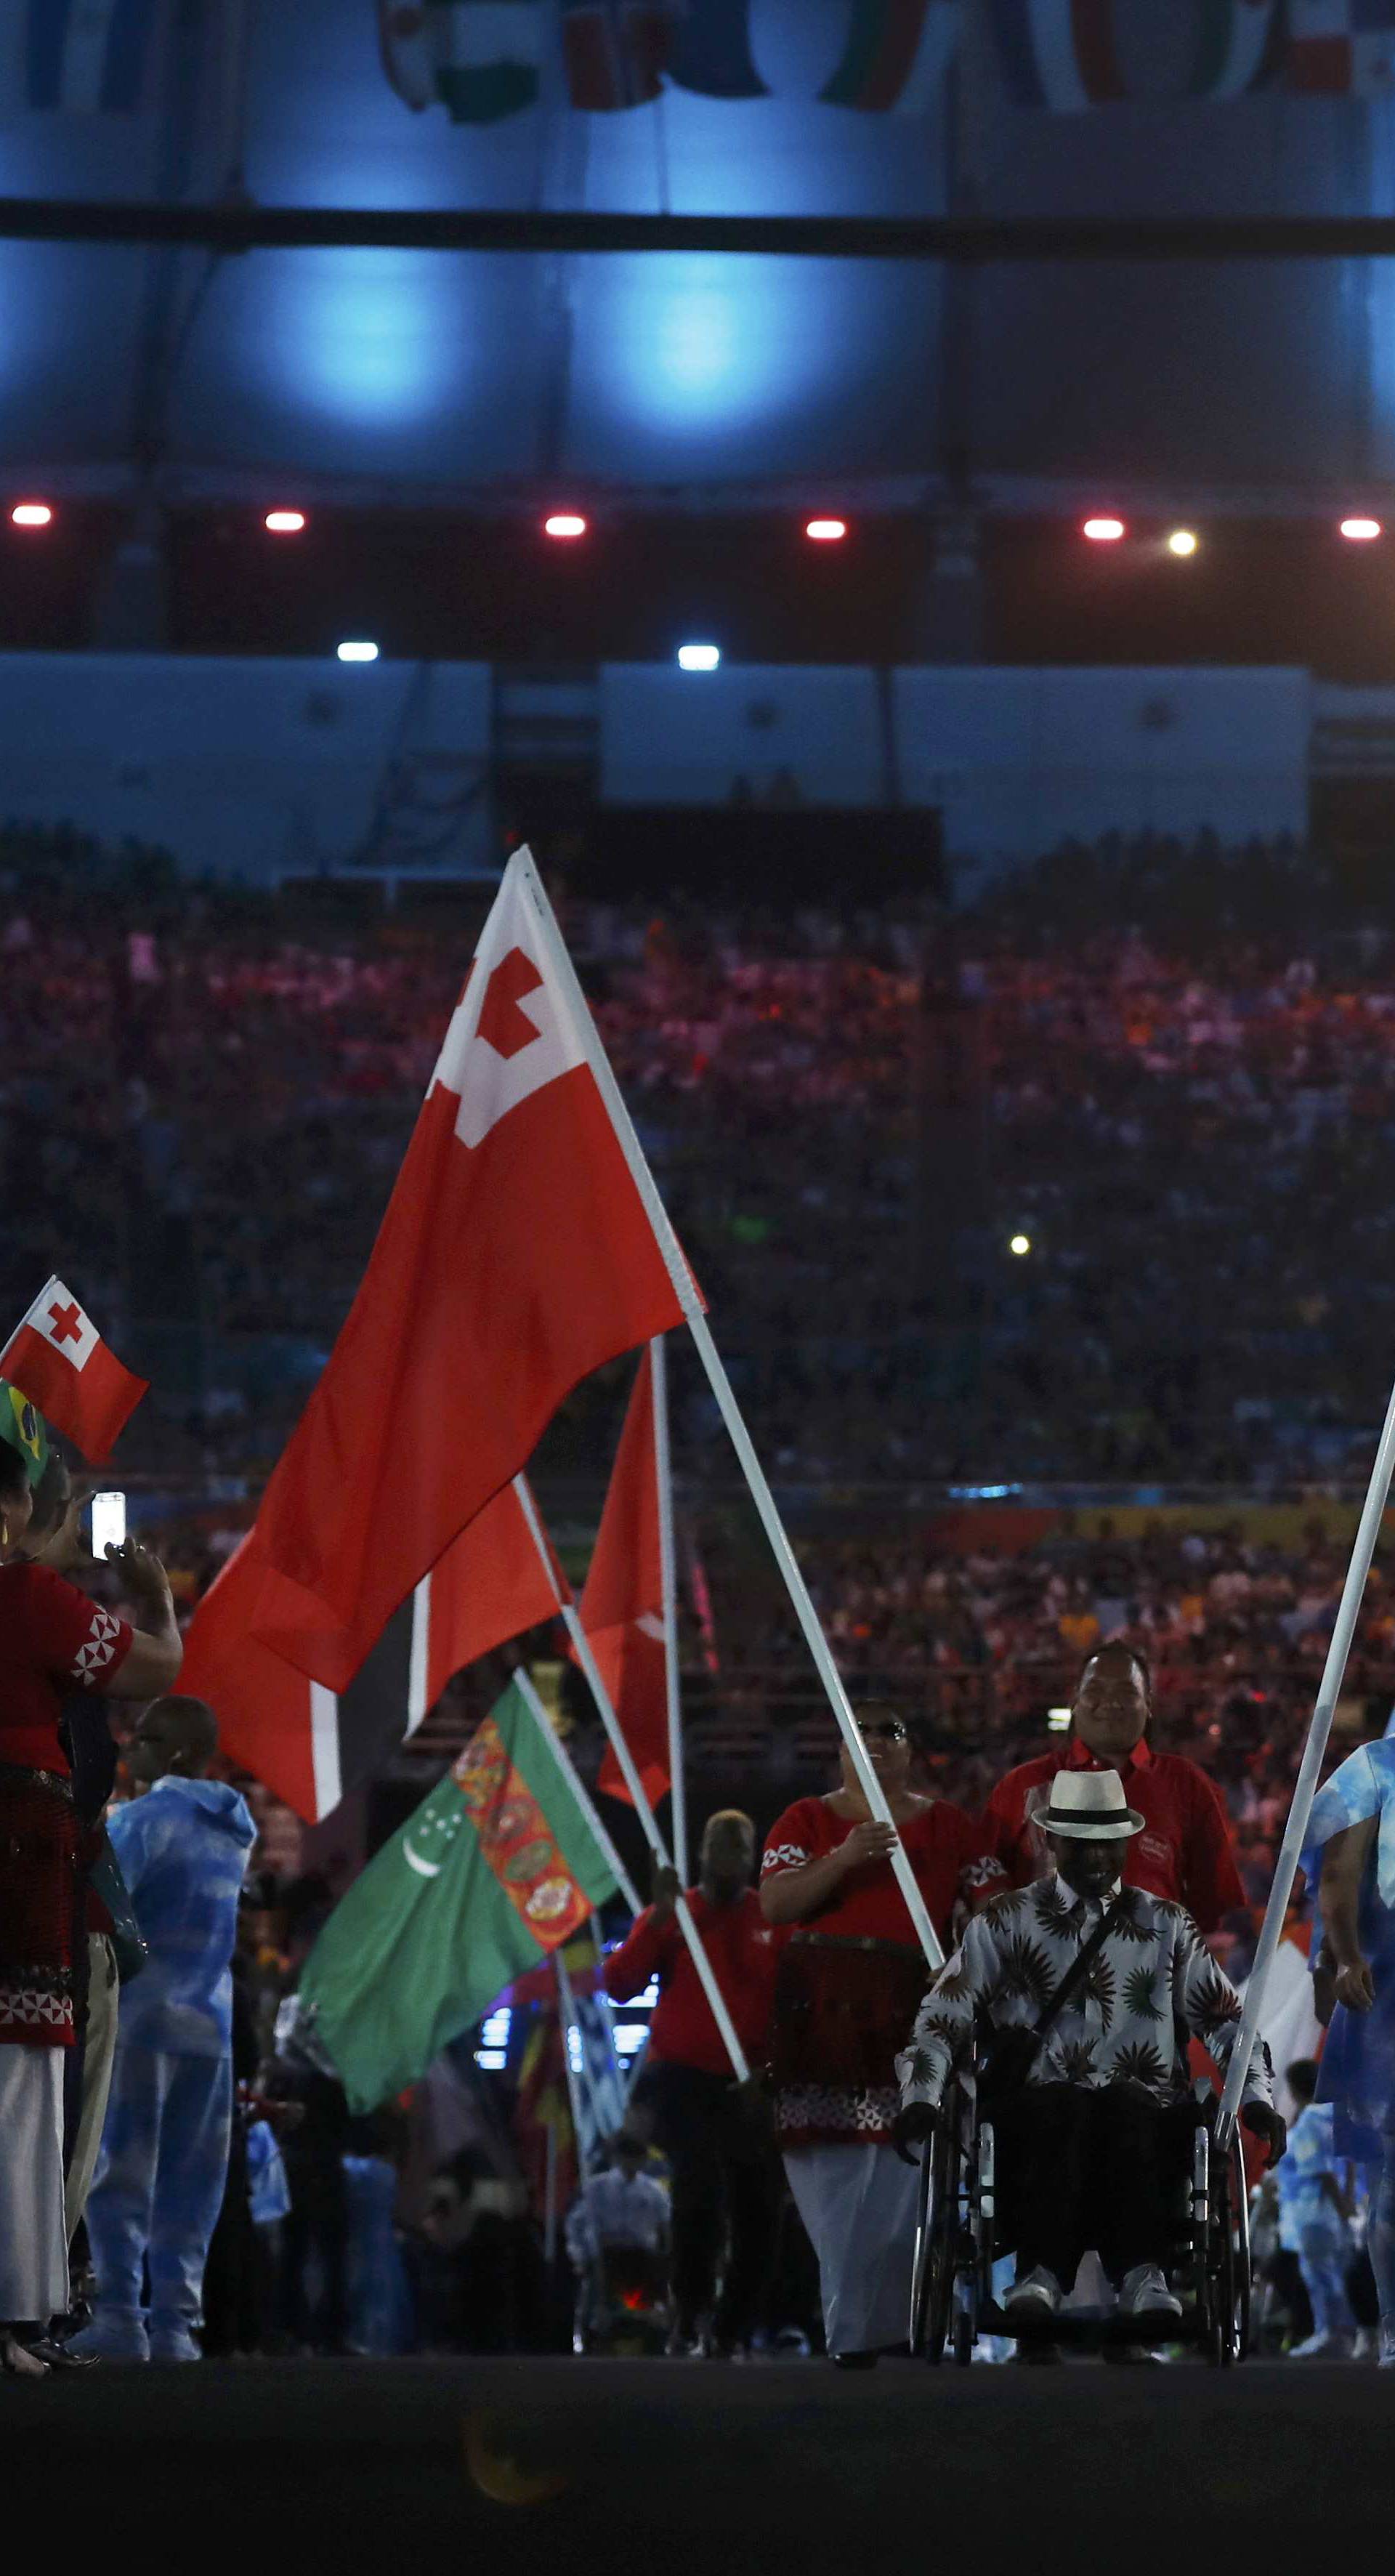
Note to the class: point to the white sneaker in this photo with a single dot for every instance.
(1321, 2347)
(1387, 2344)
(1145, 2294)
(1365, 2347)
(1034, 2299)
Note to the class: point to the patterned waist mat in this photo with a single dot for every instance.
(21, 1775)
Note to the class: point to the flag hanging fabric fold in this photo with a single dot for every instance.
(896, 56)
(481, 59)
(515, 1257)
(621, 1607)
(493, 1870)
(57, 1357)
(312, 1745)
(89, 57)
(712, 52)
(1342, 48)
(615, 52)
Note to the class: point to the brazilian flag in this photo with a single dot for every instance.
(22, 1427)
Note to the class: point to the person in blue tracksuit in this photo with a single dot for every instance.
(183, 1845)
(1312, 2183)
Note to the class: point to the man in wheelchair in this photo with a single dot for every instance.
(1082, 1996)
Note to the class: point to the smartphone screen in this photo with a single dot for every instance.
(108, 1522)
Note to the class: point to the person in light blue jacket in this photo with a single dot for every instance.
(183, 1846)
(1314, 2186)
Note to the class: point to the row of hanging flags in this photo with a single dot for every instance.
(485, 59)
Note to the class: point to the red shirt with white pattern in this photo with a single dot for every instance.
(951, 1857)
(53, 1641)
(1183, 1853)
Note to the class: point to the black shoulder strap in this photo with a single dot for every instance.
(1080, 1966)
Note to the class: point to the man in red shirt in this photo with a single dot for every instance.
(725, 2179)
(1184, 1850)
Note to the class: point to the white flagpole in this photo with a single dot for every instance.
(582, 1644)
(663, 1473)
(686, 1293)
(528, 1694)
(566, 2014)
(572, 2020)
(1305, 1788)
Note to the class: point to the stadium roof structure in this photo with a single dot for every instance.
(305, 322)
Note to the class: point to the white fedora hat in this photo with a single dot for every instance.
(1090, 1806)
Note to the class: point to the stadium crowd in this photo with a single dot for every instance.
(1163, 1046)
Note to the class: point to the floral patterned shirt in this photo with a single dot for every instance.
(1153, 1982)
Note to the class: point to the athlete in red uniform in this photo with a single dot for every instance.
(1184, 1849)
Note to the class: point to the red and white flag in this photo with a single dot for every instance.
(517, 1255)
(59, 1360)
(312, 1745)
(621, 1608)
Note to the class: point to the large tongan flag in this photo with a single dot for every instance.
(312, 1745)
(516, 1256)
(621, 1608)
(57, 1357)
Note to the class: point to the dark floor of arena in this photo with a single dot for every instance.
(618, 2466)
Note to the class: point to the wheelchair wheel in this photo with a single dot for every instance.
(937, 2235)
(1228, 2262)
(1234, 2286)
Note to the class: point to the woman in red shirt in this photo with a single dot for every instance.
(53, 1641)
(850, 1982)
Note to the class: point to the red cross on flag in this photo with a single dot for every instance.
(622, 1605)
(521, 1249)
(59, 1360)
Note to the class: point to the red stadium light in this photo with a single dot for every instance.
(284, 523)
(1104, 531)
(1361, 531)
(826, 532)
(564, 523)
(31, 514)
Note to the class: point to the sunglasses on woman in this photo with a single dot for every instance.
(892, 1732)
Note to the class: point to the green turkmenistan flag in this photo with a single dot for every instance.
(495, 1869)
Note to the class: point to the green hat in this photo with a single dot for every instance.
(22, 1427)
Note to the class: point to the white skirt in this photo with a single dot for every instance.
(859, 2204)
(33, 2238)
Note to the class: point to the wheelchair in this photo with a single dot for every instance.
(623, 2308)
(956, 2244)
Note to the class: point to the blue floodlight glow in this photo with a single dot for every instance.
(699, 657)
(358, 652)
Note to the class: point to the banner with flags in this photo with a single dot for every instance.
(1341, 48)
(711, 52)
(515, 1257)
(90, 57)
(615, 52)
(1066, 55)
(621, 1607)
(896, 55)
(480, 59)
(59, 1358)
(494, 1870)
(312, 1745)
